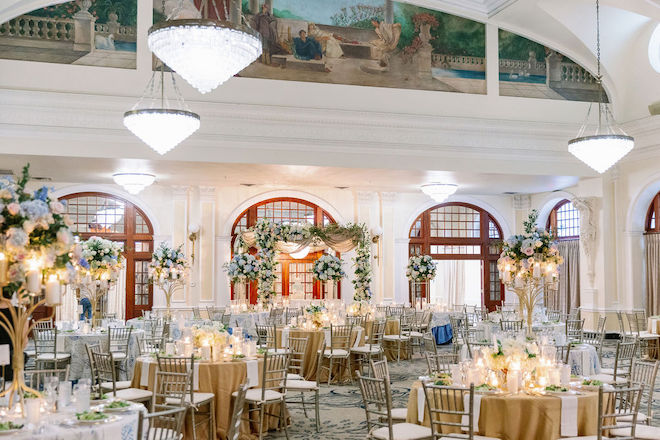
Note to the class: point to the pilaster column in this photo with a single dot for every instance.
(387, 248)
(222, 256)
(180, 213)
(206, 242)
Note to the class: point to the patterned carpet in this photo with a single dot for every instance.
(342, 414)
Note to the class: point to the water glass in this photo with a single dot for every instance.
(81, 394)
(32, 410)
(64, 394)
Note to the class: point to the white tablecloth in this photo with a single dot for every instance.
(439, 319)
(124, 428)
(583, 360)
(74, 343)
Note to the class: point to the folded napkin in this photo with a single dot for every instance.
(252, 373)
(421, 404)
(285, 337)
(569, 410)
(477, 410)
(358, 337)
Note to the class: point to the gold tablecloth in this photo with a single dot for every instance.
(221, 379)
(521, 417)
(654, 344)
(315, 342)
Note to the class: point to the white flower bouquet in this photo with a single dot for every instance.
(242, 267)
(420, 268)
(168, 264)
(103, 256)
(328, 268)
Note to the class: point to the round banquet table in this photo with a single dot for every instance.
(520, 416)
(73, 342)
(583, 359)
(316, 341)
(554, 330)
(654, 344)
(219, 378)
(249, 320)
(125, 427)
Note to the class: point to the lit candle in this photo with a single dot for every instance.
(33, 277)
(537, 270)
(512, 380)
(4, 264)
(206, 351)
(543, 381)
(53, 291)
(565, 375)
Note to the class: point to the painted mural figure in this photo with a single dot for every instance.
(388, 40)
(307, 48)
(266, 25)
(329, 41)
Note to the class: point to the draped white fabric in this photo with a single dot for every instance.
(652, 245)
(117, 296)
(338, 242)
(569, 276)
(457, 282)
(68, 311)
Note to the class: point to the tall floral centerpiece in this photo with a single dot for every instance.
(528, 264)
(420, 271)
(168, 270)
(36, 254)
(328, 270)
(242, 269)
(104, 261)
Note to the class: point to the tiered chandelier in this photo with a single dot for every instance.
(205, 52)
(602, 148)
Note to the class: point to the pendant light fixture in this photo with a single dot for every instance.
(133, 183)
(204, 51)
(602, 148)
(439, 191)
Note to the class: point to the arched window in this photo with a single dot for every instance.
(454, 232)
(652, 225)
(564, 221)
(294, 277)
(107, 216)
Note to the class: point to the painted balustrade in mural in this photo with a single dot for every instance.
(39, 28)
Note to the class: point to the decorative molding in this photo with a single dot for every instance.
(180, 192)
(365, 197)
(388, 198)
(522, 201)
(207, 194)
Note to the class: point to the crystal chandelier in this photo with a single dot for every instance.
(133, 183)
(602, 148)
(205, 52)
(159, 125)
(439, 191)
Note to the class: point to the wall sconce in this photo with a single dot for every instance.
(376, 233)
(193, 234)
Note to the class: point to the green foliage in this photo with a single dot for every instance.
(126, 11)
(530, 223)
(454, 35)
(515, 47)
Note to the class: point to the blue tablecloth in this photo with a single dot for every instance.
(442, 334)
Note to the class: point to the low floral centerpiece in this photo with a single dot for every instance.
(317, 315)
(242, 269)
(37, 256)
(528, 264)
(168, 270)
(209, 335)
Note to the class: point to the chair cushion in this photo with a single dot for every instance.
(198, 398)
(365, 349)
(641, 418)
(395, 338)
(586, 437)
(120, 385)
(609, 371)
(416, 334)
(30, 351)
(278, 350)
(607, 378)
(118, 355)
(481, 437)
(134, 394)
(403, 431)
(293, 376)
(301, 385)
(254, 395)
(337, 352)
(50, 357)
(641, 432)
(399, 413)
(647, 335)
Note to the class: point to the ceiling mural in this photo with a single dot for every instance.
(532, 70)
(369, 43)
(90, 33)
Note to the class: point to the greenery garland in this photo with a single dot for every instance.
(268, 233)
(362, 264)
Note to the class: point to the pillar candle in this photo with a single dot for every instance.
(565, 375)
(53, 291)
(206, 353)
(537, 270)
(512, 381)
(33, 281)
(4, 264)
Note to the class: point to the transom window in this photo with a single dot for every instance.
(112, 218)
(294, 276)
(564, 221)
(459, 231)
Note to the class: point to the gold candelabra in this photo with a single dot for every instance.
(169, 287)
(530, 292)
